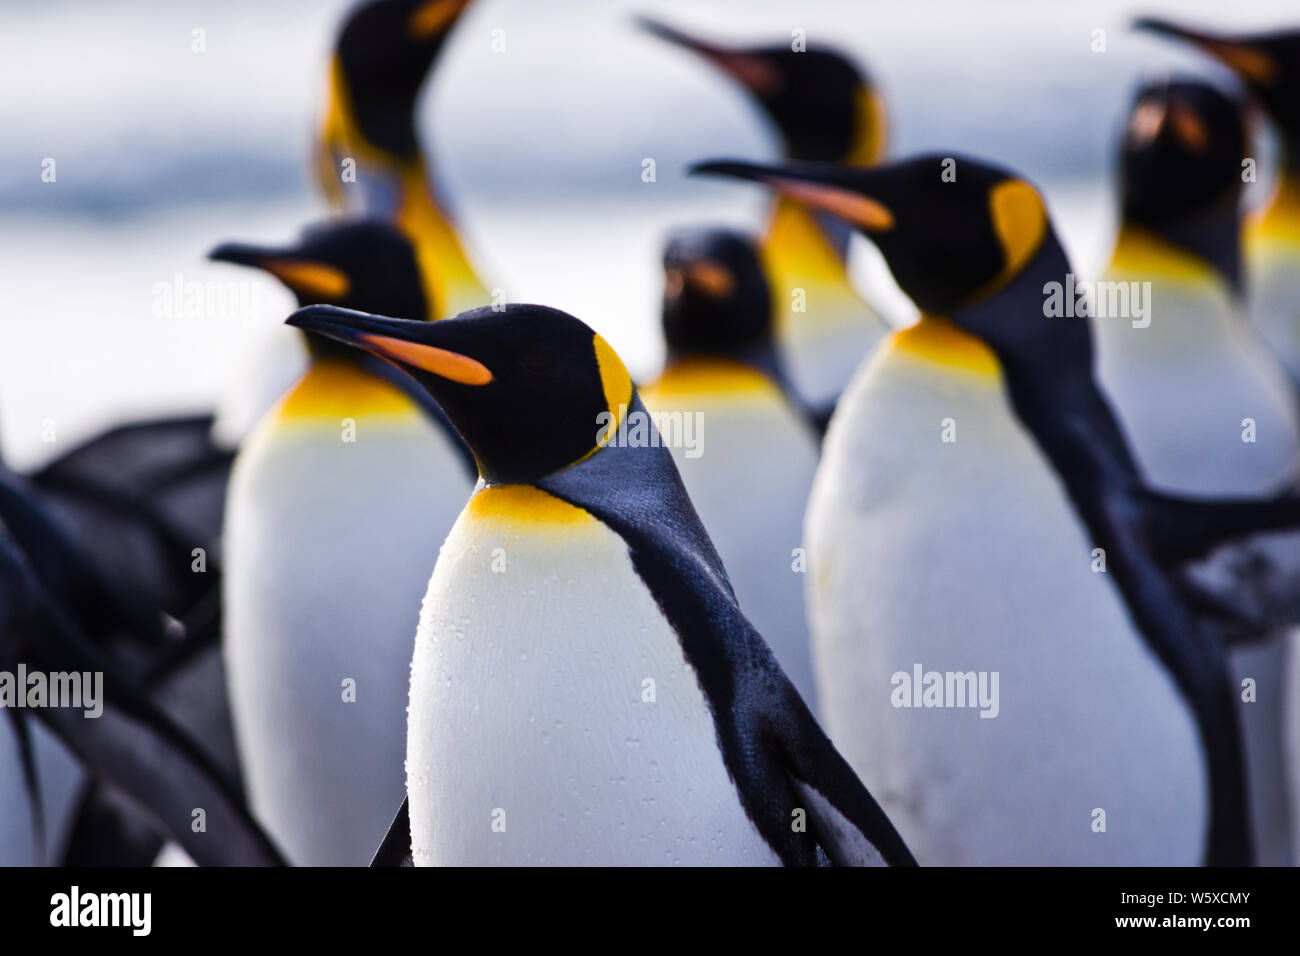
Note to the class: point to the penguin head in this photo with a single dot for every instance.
(366, 264)
(825, 108)
(953, 231)
(1267, 63)
(1181, 152)
(716, 298)
(531, 389)
(384, 50)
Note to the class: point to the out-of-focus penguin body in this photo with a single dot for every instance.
(1207, 405)
(336, 500)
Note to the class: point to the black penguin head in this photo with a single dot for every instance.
(1267, 63)
(716, 298)
(825, 108)
(952, 230)
(366, 265)
(1181, 153)
(531, 389)
(384, 51)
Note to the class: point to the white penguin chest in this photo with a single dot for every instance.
(329, 544)
(964, 555)
(1207, 407)
(553, 716)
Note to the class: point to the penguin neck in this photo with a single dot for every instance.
(1191, 246)
(1047, 367)
(1280, 218)
(798, 240)
(451, 283)
(341, 134)
(761, 360)
(336, 388)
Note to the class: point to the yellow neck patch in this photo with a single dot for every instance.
(334, 389)
(694, 377)
(450, 283)
(939, 340)
(615, 381)
(523, 505)
(1141, 251)
(795, 245)
(1280, 219)
(340, 136)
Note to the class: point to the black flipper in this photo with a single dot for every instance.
(1181, 529)
(395, 850)
(779, 759)
(143, 495)
(132, 745)
(31, 781)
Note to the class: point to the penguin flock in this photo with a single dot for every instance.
(1016, 583)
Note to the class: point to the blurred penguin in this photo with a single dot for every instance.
(1208, 407)
(1269, 66)
(368, 161)
(826, 109)
(339, 500)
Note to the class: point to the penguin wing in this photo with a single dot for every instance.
(131, 744)
(848, 823)
(1183, 529)
(777, 755)
(395, 850)
(1236, 560)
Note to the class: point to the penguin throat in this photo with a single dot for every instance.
(1206, 248)
(451, 284)
(336, 389)
(1280, 218)
(692, 375)
(939, 340)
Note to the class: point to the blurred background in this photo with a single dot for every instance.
(161, 152)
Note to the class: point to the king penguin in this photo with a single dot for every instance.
(1209, 408)
(368, 162)
(1269, 66)
(743, 443)
(824, 108)
(584, 687)
(337, 500)
(977, 522)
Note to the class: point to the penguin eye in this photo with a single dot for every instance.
(539, 361)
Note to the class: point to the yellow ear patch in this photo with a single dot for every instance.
(311, 278)
(430, 17)
(872, 128)
(449, 365)
(1020, 222)
(615, 381)
(862, 211)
